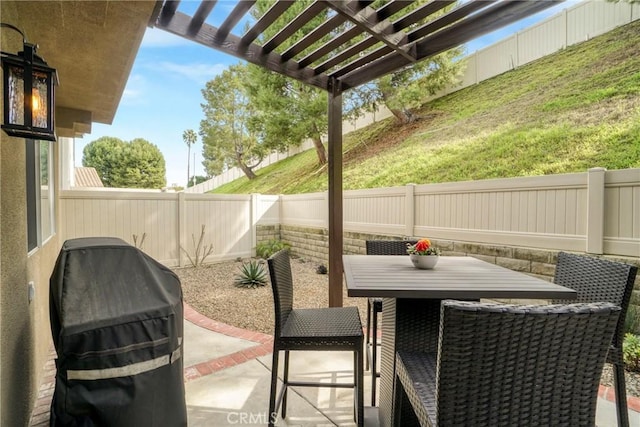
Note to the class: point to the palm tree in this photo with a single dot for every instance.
(189, 136)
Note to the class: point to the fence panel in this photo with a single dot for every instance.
(268, 210)
(497, 58)
(124, 214)
(590, 19)
(546, 212)
(542, 39)
(305, 210)
(227, 222)
(376, 211)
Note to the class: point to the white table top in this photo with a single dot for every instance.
(453, 277)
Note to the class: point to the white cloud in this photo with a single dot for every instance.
(198, 72)
(134, 91)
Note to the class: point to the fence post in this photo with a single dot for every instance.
(181, 226)
(253, 212)
(410, 211)
(595, 210)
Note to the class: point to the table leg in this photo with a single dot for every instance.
(407, 324)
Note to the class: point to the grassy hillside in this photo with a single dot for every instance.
(568, 112)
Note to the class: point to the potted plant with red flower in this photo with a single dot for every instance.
(423, 255)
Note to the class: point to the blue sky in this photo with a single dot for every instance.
(163, 94)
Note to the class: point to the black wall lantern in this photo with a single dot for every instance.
(28, 93)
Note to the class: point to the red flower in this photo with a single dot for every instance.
(422, 245)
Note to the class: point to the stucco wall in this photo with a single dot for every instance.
(25, 334)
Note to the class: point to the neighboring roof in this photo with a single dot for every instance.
(87, 177)
(328, 57)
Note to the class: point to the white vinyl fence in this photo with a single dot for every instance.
(576, 24)
(596, 211)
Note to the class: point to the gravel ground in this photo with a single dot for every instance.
(210, 290)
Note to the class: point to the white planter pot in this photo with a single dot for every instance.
(424, 262)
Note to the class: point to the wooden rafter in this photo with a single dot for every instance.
(314, 36)
(234, 17)
(232, 45)
(298, 22)
(402, 23)
(201, 14)
(267, 19)
(395, 44)
(428, 28)
(469, 28)
(384, 12)
(367, 19)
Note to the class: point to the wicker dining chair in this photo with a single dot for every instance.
(374, 306)
(311, 329)
(501, 365)
(596, 279)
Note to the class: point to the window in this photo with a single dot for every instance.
(40, 193)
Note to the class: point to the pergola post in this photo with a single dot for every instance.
(335, 193)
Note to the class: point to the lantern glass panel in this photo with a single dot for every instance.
(39, 97)
(16, 96)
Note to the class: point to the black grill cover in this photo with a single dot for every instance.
(117, 326)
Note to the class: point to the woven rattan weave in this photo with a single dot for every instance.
(374, 306)
(597, 279)
(315, 329)
(507, 365)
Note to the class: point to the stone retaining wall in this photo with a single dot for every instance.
(313, 244)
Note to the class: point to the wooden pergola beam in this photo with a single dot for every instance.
(267, 19)
(232, 45)
(336, 239)
(367, 19)
(201, 14)
(234, 17)
(473, 26)
(298, 22)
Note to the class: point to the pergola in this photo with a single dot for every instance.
(390, 36)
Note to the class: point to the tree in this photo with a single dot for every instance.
(288, 111)
(190, 137)
(227, 138)
(135, 164)
(197, 179)
(404, 91)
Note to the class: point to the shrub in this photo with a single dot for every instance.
(631, 352)
(266, 249)
(201, 250)
(632, 321)
(252, 275)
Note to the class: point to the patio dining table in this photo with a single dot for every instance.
(412, 297)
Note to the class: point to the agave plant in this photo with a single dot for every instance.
(252, 275)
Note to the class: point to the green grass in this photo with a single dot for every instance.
(567, 112)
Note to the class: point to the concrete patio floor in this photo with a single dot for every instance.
(227, 374)
(236, 392)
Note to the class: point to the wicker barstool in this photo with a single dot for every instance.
(374, 306)
(311, 329)
(596, 279)
(501, 365)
